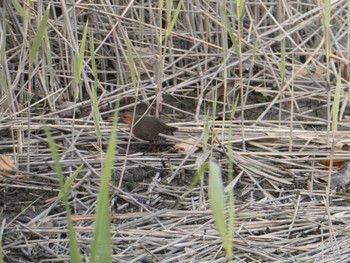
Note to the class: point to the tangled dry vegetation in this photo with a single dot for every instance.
(280, 134)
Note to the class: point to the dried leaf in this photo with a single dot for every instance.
(7, 165)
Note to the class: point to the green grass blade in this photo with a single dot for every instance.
(169, 9)
(19, 9)
(216, 196)
(39, 35)
(327, 12)
(283, 59)
(240, 8)
(327, 21)
(101, 245)
(69, 182)
(230, 31)
(173, 21)
(95, 109)
(92, 54)
(198, 175)
(49, 58)
(79, 60)
(96, 114)
(336, 103)
(3, 82)
(206, 133)
(3, 79)
(132, 65)
(74, 251)
(217, 203)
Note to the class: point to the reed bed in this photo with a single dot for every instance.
(271, 119)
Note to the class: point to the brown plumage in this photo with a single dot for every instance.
(147, 128)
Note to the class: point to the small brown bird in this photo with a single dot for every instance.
(147, 128)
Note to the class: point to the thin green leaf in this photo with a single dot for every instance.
(69, 182)
(206, 134)
(132, 65)
(96, 113)
(336, 103)
(3, 79)
(74, 251)
(224, 45)
(216, 198)
(92, 54)
(19, 9)
(198, 175)
(327, 12)
(95, 109)
(3, 82)
(39, 35)
(170, 7)
(49, 58)
(217, 203)
(240, 8)
(283, 59)
(79, 60)
(161, 4)
(229, 30)
(101, 245)
(234, 108)
(327, 20)
(173, 21)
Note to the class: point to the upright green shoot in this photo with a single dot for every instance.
(217, 203)
(101, 246)
(336, 103)
(174, 19)
(39, 36)
(78, 62)
(74, 251)
(94, 101)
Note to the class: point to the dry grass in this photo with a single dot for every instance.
(279, 136)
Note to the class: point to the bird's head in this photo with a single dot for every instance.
(127, 118)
